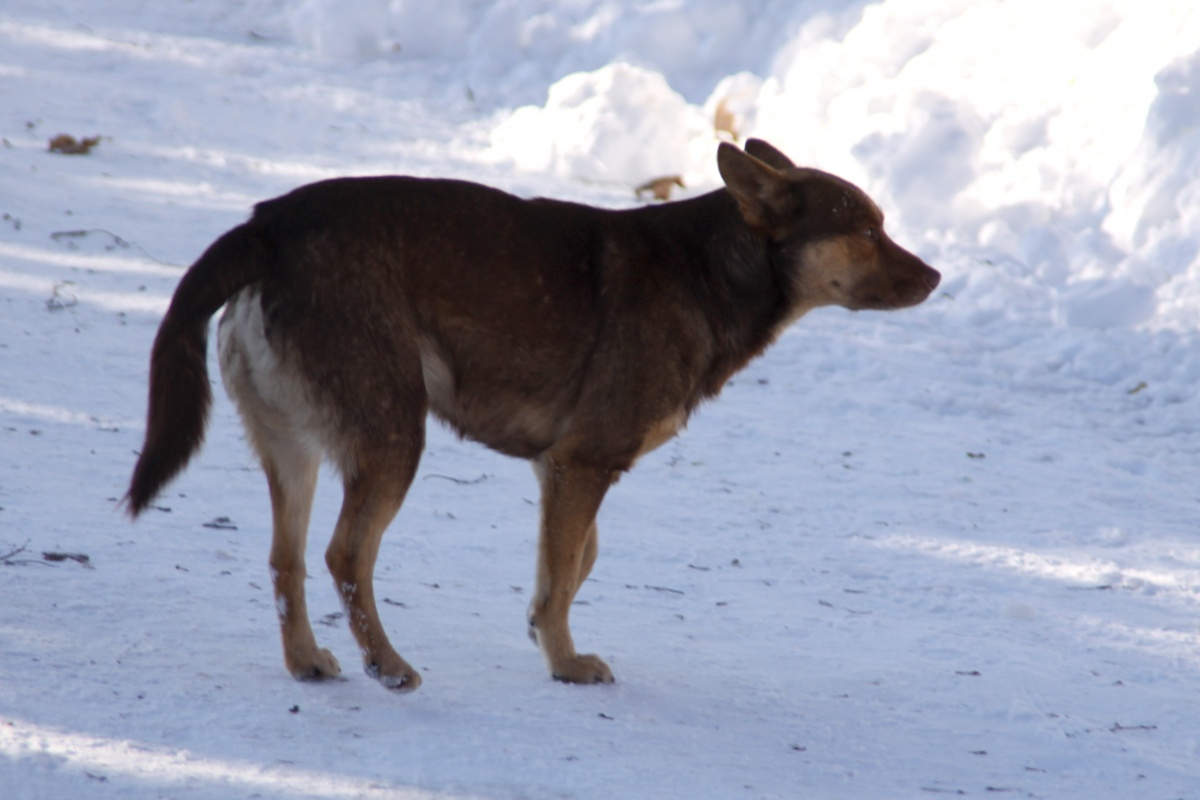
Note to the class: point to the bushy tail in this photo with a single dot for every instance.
(180, 396)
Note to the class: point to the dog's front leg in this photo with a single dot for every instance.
(571, 496)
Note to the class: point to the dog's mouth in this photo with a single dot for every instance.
(922, 286)
(905, 293)
(926, 284)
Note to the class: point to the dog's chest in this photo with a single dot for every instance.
(663, 431)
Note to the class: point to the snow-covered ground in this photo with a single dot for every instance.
(953, 550)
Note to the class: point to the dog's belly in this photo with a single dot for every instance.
(488, 409)
(663, 431)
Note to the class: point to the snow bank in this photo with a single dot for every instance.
(990, 126)
(1155, 201)
(515, 48)
(1057, 140)
(619, 124)
(356, 30)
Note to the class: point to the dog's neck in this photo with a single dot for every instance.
(730, 268)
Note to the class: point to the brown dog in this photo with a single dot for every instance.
(575, 337)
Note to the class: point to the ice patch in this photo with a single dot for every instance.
(1066, 567)
(137, 763)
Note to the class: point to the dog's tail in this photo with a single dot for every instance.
(180, 396)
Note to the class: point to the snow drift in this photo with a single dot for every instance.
(1060, 136)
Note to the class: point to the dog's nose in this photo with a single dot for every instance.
(932, 278)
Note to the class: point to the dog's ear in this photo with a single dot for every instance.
(760, 191)
(767, 154)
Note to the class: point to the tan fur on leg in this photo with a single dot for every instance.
(274, 424)
(571, 495)
(371, 501)
(291, 503)
(591, 548)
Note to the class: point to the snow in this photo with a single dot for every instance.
(951, 550)
(594, 127)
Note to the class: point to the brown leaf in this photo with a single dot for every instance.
(70, 146)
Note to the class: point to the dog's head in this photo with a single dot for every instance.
(826, 229)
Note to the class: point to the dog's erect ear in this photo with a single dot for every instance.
(760, 191)
(767, 154)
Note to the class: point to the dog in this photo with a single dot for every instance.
(575, 337)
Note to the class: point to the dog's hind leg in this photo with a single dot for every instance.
(274, 410)
(292, 477)
(571, 496)
(374, 491)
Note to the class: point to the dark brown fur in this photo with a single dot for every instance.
(574, 337)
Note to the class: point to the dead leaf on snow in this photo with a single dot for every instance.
(68, 145)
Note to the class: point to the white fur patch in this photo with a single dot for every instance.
(276, 406)
(439, 380)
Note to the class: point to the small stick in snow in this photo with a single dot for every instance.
(10, 558)
(79, 558)
(461, 481)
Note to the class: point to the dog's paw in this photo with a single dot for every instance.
(399, 677)
(319, 666)
(582, 669)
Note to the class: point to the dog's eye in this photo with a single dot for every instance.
(870, 233)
